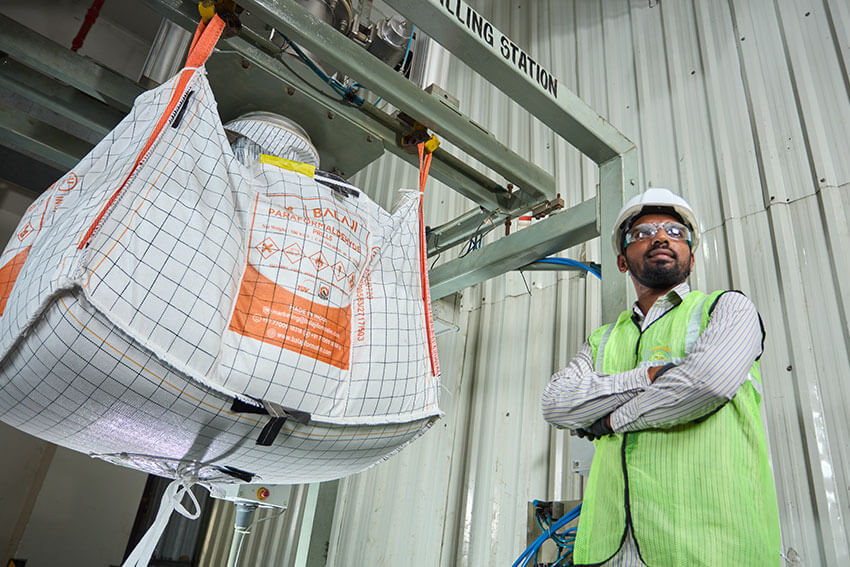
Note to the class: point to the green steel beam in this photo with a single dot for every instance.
(549, 236)
(27, 135)
(330, 46)
(617, 183)
(47, 57)
(444, 167)
(320, 536)
(468, 36)
(61, 99)
(447, 168)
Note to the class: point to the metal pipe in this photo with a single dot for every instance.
(166, 54)
(241, 528)
(476, 222)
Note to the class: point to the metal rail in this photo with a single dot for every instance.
(43, 55)
(33, 137)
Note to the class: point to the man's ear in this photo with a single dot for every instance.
(624, 266)
(692, 260)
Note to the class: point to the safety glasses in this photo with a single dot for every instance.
(647, 230)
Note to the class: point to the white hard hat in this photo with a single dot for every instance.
(654, 197)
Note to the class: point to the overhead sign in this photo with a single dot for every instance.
(510, 51)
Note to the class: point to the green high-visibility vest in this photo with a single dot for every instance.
(697, 494)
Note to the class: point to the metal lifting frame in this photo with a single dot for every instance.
(444, 21)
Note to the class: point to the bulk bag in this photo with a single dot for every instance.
(169, 308)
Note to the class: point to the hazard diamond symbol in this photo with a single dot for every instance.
(293, 252)
(318, 260)
(339, 271)
(267, 247)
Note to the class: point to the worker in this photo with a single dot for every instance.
(671, 394)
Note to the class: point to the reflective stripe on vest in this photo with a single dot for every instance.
(601, 350)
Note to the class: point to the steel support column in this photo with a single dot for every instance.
(617, 183)
(315, 530)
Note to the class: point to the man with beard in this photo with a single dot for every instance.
(671, 394)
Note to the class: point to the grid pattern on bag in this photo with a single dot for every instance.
(389, 373)
(54, 222)
(128, 340)
(111, 396)
(164, 263)
(163, 267)
(388, 360)
(287, 245)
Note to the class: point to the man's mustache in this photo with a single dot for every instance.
(663, 245)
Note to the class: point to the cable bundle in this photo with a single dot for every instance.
(564, 540)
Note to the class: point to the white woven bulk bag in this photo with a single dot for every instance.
(171, 309)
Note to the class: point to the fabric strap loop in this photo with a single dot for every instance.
(172, 500)
(424, 166)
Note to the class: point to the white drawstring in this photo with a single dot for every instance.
(172, 500)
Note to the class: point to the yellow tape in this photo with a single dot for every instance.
(283, 163)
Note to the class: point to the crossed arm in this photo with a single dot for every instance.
(578, 397)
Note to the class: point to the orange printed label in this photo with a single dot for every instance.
(8, 275)
(274, 315)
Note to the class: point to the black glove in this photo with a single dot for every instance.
(597, 429)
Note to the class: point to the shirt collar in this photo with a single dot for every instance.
(674, 297)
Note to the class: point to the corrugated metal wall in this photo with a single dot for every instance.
(742, 106)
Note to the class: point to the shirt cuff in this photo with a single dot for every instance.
(623, 423)
(630, 381)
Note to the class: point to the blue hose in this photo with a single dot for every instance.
(341, 89)
(569, 262)
(532, 549)
(407, 51)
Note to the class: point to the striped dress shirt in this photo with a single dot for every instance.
(708, 377)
